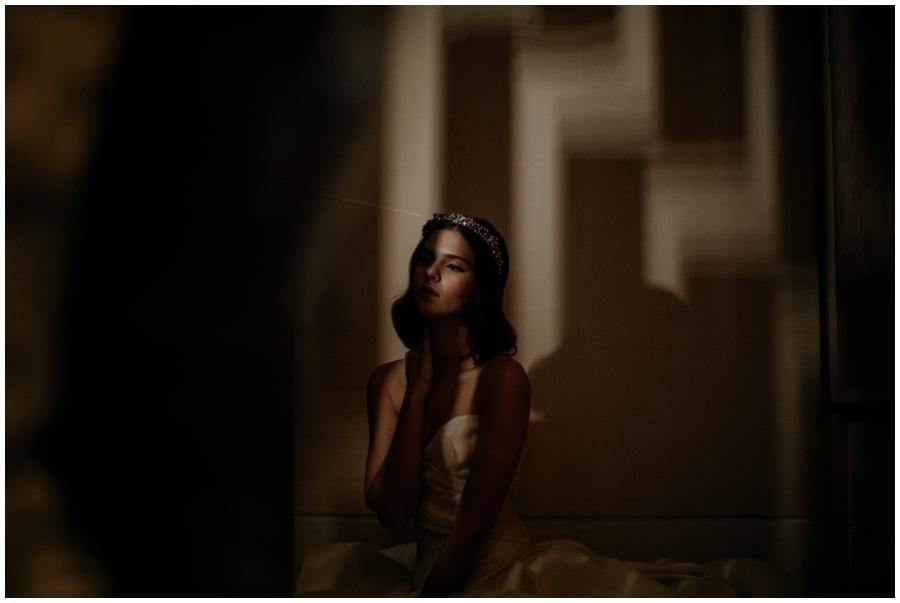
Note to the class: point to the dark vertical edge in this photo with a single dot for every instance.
(825, 217)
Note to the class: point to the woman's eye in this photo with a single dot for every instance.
(456, 268)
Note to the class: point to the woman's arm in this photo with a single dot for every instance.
(504, 404)
(395, 451)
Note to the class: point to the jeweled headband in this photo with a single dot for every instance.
(469, 224)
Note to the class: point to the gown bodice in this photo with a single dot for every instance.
(446, 462)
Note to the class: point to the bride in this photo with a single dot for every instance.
(447, 426)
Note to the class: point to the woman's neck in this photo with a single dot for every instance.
(450, 343)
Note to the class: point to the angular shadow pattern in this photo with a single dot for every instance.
(652, 408)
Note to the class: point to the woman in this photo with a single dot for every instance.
(447, 426)
(457, 370)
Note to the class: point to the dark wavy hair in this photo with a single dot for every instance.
(490, 331)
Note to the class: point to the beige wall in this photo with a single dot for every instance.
(672, 345)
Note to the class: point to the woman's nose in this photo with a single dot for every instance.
(431, 273)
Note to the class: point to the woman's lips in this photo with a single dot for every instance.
(428, 290)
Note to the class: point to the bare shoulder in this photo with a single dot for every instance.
(390, 378)
(505, 369)
(504, 397)
(504, 378)
(388, 368)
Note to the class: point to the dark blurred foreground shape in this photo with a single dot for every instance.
(168, 439)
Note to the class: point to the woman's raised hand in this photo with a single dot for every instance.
(419, 370)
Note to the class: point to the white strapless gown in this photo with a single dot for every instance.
(509, 564)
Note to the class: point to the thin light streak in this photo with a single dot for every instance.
(402, 211)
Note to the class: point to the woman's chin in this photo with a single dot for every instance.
(426, 306)
(431, 313)
(427, 312)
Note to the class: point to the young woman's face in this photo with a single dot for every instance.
(446, 265)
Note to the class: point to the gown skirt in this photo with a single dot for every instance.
(509, 563)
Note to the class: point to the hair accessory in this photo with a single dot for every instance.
(470, 224)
